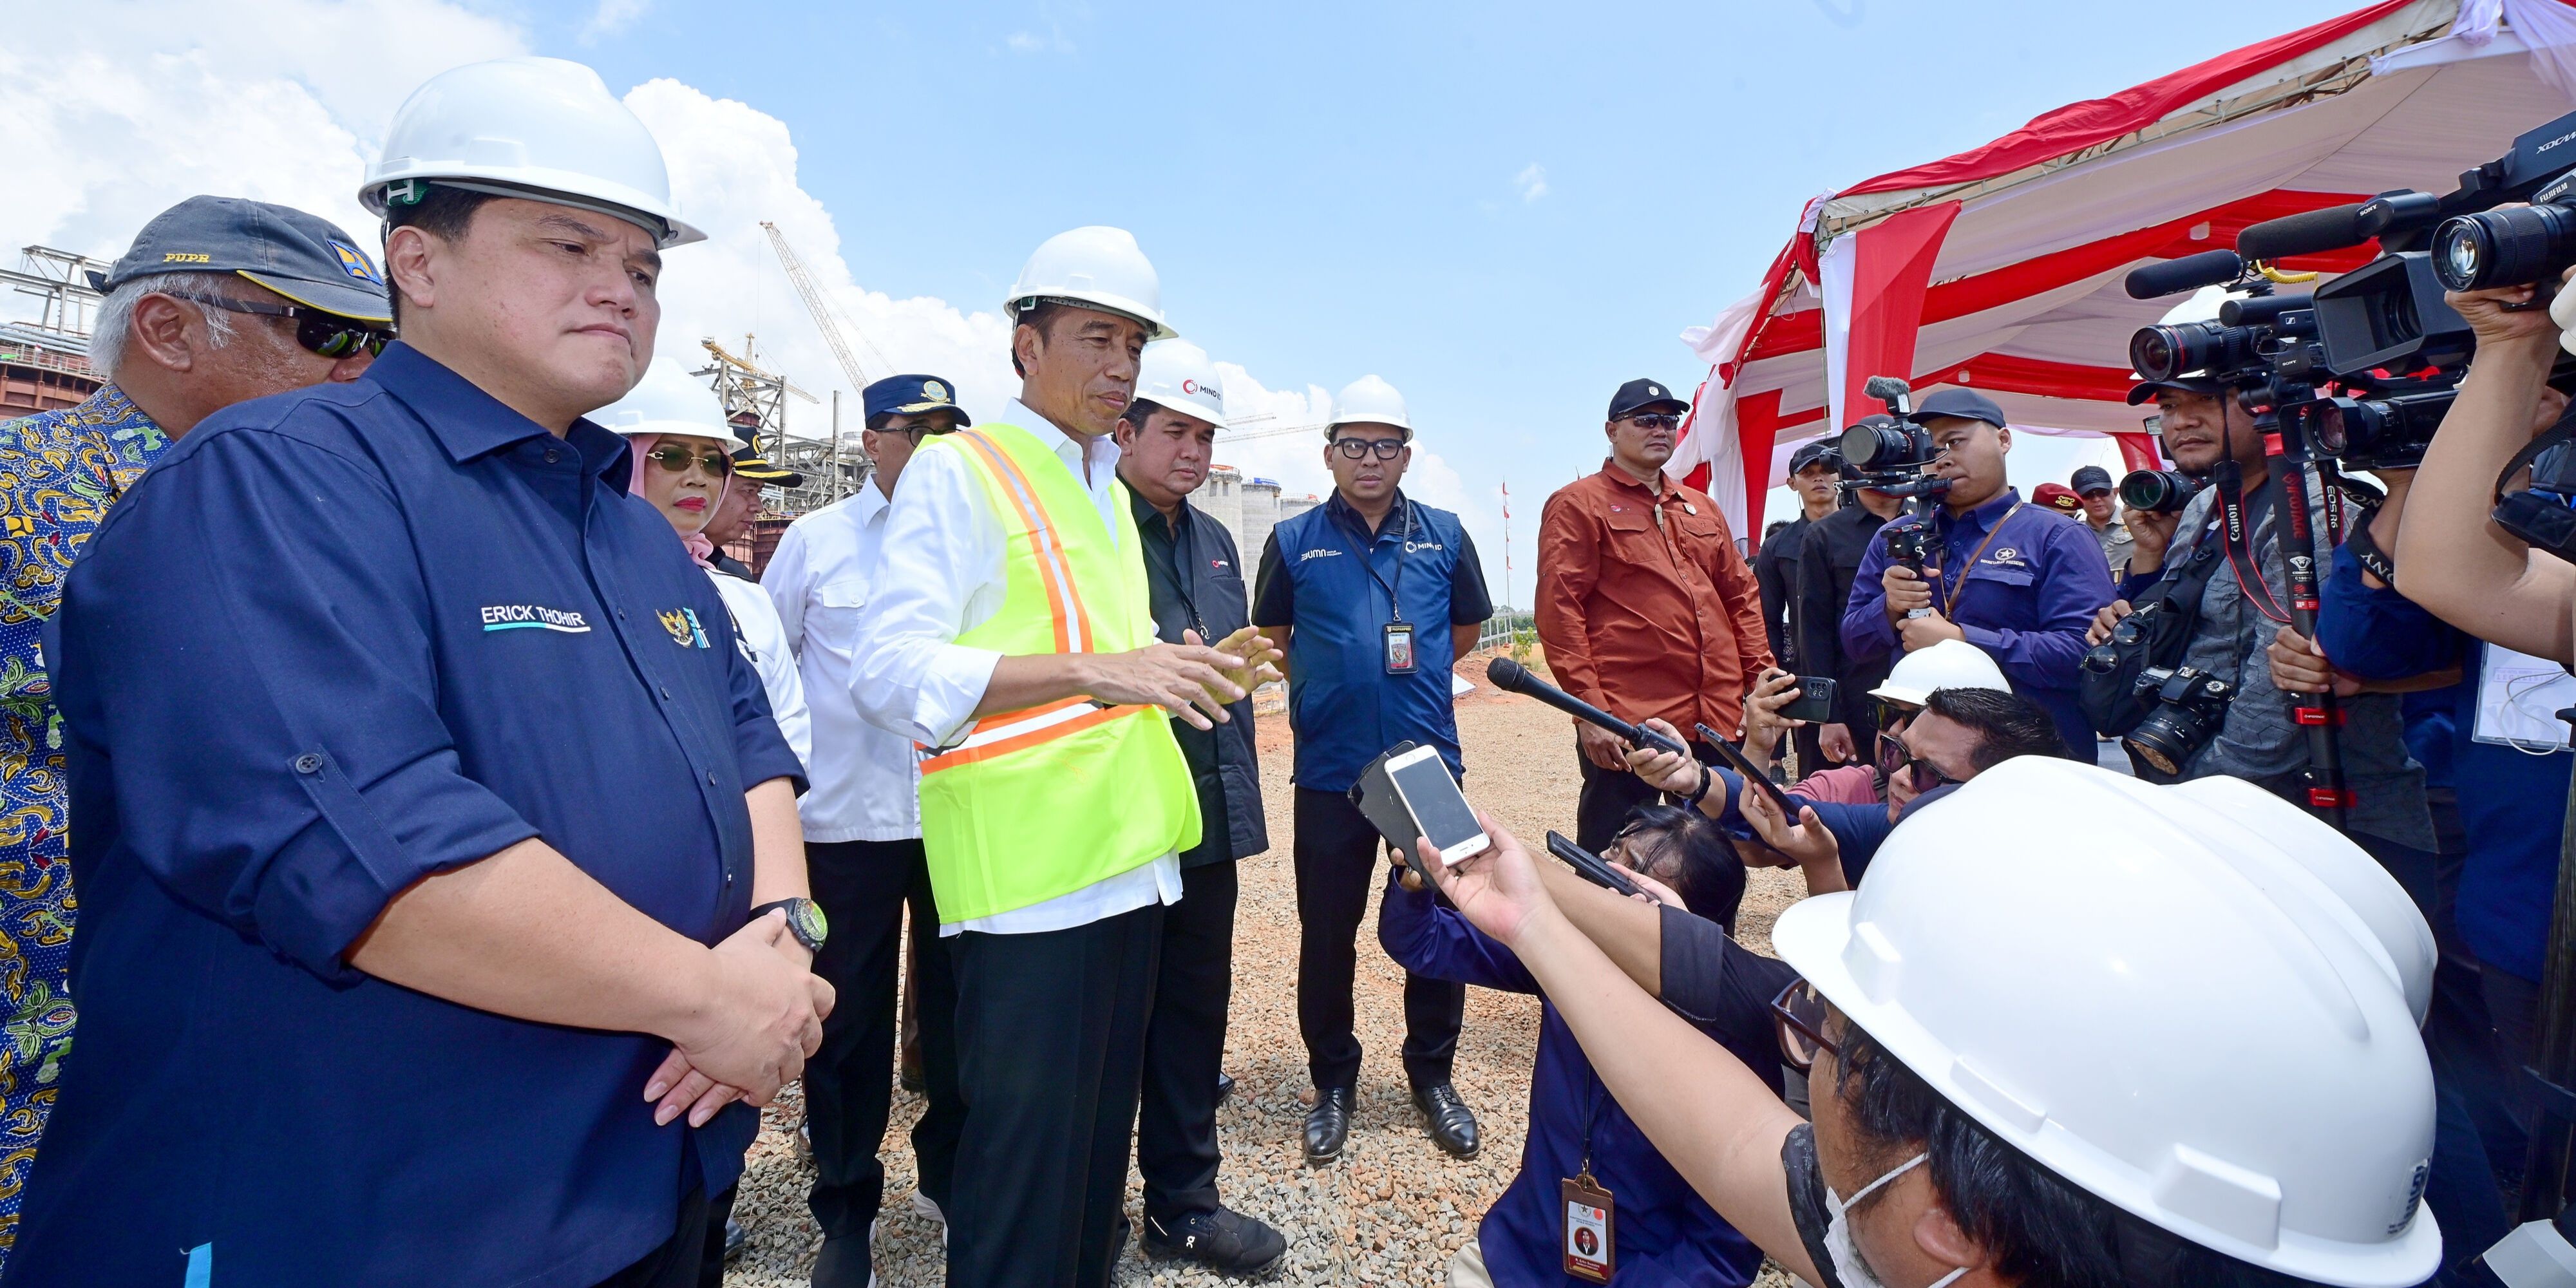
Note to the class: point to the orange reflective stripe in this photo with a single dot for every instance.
(1073, 631)
(1024, 741)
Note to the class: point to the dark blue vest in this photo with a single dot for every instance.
(1342, 704)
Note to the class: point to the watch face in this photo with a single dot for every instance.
(808, 918)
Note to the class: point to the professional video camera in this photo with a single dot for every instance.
(1888, 453)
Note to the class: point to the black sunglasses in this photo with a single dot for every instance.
(1655, 420)
(1798, 1016)
(677, 459)
(1894, 756)
(327, 335)
(1358, 449)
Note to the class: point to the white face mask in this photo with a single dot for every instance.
(1849, 1268)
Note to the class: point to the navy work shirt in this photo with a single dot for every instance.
(2021, 583)
(1316, 579)
(336, 641)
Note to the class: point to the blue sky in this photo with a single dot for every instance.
(1506, 210)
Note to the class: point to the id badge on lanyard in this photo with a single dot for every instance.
(1590, 1230)
(1399, 648)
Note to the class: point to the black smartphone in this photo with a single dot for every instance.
(1744, 768)
(1589, 866)
(1815, 700)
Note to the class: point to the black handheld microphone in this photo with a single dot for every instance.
(2189, 273)
(2332, 228)
(1512, 677)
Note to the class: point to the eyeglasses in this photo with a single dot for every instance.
(1798, 1016)
(1656, 420)
(677, 459)
(1358, 448)
(1894, 756)
(1892, 713)
(327, 335)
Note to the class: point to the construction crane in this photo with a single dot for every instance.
(825, 320)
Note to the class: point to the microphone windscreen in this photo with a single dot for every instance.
(1506, 674)
(2190, 273)
(2332, 228)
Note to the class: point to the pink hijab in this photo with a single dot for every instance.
(699, 547)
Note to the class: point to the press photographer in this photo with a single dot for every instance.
(2017, 581)
(2218, 603)
(1989, 1025)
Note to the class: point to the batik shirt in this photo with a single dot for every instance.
(59, 473)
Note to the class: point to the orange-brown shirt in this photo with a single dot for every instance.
(1645, 606)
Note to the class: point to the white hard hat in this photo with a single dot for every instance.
(1948, 664)
(1177, 375)
(717, 433)
(1368, 401)
(539, 128)
(2192, 1002)
(1095, 268)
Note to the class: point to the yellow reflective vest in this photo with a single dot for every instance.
(1041, 802)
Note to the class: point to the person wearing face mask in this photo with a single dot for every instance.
(1374, 596)
(2027, 1060)
(2018, 581)
(1664, 1234)
(1013, 640)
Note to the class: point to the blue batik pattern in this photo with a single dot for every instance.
(59, 473)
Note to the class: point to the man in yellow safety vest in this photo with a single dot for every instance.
(1014, 642)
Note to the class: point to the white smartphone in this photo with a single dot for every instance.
(1422, 781)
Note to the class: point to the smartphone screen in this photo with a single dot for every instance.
(1433, 796)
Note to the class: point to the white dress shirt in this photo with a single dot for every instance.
(866, 782)
(755, 624)
(941, 574)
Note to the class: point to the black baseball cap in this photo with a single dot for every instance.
(1638, 395)
(1966, 404)
(1822, 451)
(2089, 480)
(305, 258)
(2146, 389)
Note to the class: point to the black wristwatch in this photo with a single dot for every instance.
(1700, 793)
(804, 920)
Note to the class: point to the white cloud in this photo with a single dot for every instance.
(1531, 182)
(1022, 42)
(611, 18)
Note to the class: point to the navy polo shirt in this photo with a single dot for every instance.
(335, 641)
(1316, 579)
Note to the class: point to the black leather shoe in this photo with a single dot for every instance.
(845, 1263)
(736, 1239)
(1224, 1087)
(1328, 1124)
(1226, 1242)
(1453, 1125)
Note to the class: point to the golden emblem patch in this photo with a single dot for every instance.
(934, 390)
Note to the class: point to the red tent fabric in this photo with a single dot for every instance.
(2000, 267)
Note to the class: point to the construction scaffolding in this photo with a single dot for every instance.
(755, 404)
(44, 364)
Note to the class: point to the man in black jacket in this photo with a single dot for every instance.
(1814, 470)
(1829, 555)
(1195, 578)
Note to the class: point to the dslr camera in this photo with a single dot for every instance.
(1888, 453)
(2186, 706)
(2159, 491)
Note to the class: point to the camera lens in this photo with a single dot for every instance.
(1876, 442)
(2152, 353)
(2503, 247)
(2328, 428)
(2157, 491)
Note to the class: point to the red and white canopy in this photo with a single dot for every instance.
(2000, 268)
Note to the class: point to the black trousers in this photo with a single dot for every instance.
(677, 1262)
(1608, 795)
(1185, 1045)
(864, 888)
(1339, 864)
(1050, 1048)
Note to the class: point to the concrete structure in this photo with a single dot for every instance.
(1222, 498)
(1260, 513)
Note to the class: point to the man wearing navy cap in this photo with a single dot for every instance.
(219, 300)
(2092, 484)
(2016, 580)
(863, 850)
(1645, 603)
(1815, 470)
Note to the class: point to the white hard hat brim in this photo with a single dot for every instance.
(1182, 406)
(1895, 693)
(581, 192)
(1150, 319)
(1818, 938)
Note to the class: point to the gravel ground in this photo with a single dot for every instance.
(1394, 1208)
